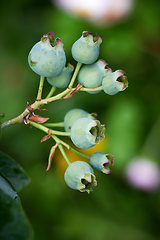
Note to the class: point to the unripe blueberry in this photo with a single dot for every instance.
(47, 57)
(114, 82)
(80, 176)
(62, 80)
(73, 115)
(90, 76)
(86, 49)
(102, 162)
(86, 132)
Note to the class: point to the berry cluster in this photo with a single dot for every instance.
(47, 58)
(86, 132)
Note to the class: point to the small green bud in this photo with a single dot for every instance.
(102, 162)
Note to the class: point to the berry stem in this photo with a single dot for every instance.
(41, 83)
(47, 130)
(79, 153)
(18, 119)
(59, 141)
(50, 94)
(61, 133)
(75, 74)
(91, 89)
(59, 124)
(64, 154)
(54, 98)
(37, 104)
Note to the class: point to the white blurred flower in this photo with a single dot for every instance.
(104, 11)
(144, 174)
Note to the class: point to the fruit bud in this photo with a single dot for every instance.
(86, 49)
(86, 132)
(102, 162)
(80, 176)
(114, 82)
(47, 57)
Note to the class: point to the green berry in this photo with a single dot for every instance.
(86, 49)
(62, 80)
(114, 82)
(102, 162)
(47, 57)
(72, 116)
(90, 76)
(86, 132)
(80, 176)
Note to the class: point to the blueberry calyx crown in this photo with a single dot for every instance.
(95, 37)
(108, 163)
(89, 182)
(122, 79)
(49, 37)
(103, 63)
(98, 131)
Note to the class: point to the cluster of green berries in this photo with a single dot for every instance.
(86, 132)
(101, 75)
(47, 58)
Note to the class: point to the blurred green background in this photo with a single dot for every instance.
(115, 210)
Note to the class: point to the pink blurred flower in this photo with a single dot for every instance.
(144, 174)
(102, 11)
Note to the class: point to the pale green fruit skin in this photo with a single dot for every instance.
(47, 60)
(85, 50)
(62, 80)
(81, 135)
(110, 84)
(73, 115)
(75, 172)
(100, 160)
(91, 76)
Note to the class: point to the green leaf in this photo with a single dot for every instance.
(13, 222)
(13, 172)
